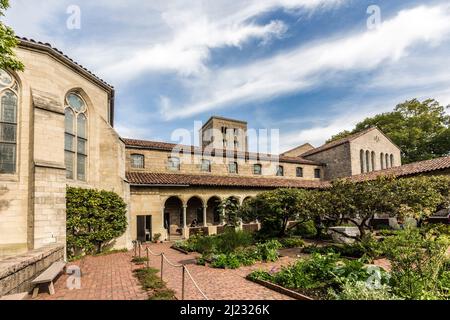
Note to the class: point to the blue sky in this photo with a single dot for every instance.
(309, 68)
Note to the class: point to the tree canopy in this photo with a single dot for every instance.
(8, 42)
(420, 129)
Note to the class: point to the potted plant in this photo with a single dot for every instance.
(157, 237)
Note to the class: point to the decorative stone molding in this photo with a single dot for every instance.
(46, 101)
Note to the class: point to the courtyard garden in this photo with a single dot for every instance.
(408, 261)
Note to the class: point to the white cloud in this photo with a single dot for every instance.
(312, 64)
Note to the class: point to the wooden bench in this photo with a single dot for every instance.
(47, 277)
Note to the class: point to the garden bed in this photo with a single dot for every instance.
(280, 289)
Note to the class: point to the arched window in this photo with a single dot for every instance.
(280, 171)
(367, 161)
(382, 161)
(372, 156)
(392, 160)
(76, 137)
(361, 160)
(8, 122)
(386, 156)
(174, 164)
(137, 161)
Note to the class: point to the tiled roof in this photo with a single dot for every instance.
(408, 169)
(30, 43)
(173, 179)
(342, 141)
(164, 146)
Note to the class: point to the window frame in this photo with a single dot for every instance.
(76, 136)
(280, 171)
(319, 175)
(297, 172)
(257, 165)
(235, 164)
(141, 157)
(173, 168)
(14, 88)
(202, 166)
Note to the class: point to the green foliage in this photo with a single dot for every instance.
(420, 129)
(358, 203)
(8, 42)
(113, 251)
(358, 290)
(292, 242)
(306, 230)
(315, 275)
(229, 209)
(152, 283)
(230, 240)
(274, 209)
(139, 260)
(246, 256)
(418, 263)
(94, 218)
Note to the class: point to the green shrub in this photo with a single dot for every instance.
(230, 261)
(305, 230)
(230, 240)
(418, 262)
(268, 251)
(292, 242)
(94, 218)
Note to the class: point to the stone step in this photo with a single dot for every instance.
(17, 296)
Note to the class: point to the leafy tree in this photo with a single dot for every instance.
(94, 218)
(275, 209)
(8, 42)
(229, 209)
(358, 203)
(420, 129)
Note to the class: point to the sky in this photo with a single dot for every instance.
(308, 68)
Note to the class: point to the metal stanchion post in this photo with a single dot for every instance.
(162, 265)
(183, 282)
(148, 258)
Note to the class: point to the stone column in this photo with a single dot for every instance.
(184, 216)
(205, 224)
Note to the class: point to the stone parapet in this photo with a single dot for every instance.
(17, 272)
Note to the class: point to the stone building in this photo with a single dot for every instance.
(57, 129)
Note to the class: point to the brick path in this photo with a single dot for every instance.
(110, 277)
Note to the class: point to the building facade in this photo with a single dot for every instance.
(57, 130)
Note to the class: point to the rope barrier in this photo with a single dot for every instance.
(138, 245)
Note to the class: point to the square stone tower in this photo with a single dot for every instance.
(223, 133)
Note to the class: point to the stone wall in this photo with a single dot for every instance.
(16, 273)
(157, 161)
(337, 161)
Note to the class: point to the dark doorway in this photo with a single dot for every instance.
(144, 228)
(167, 220)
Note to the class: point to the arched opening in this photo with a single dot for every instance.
(194, 212)
(213, 211)
(382, 161)
(387, 161)
(173, 216)
(361, 160)
(368, 161)
(392, 160)
(373, 160)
